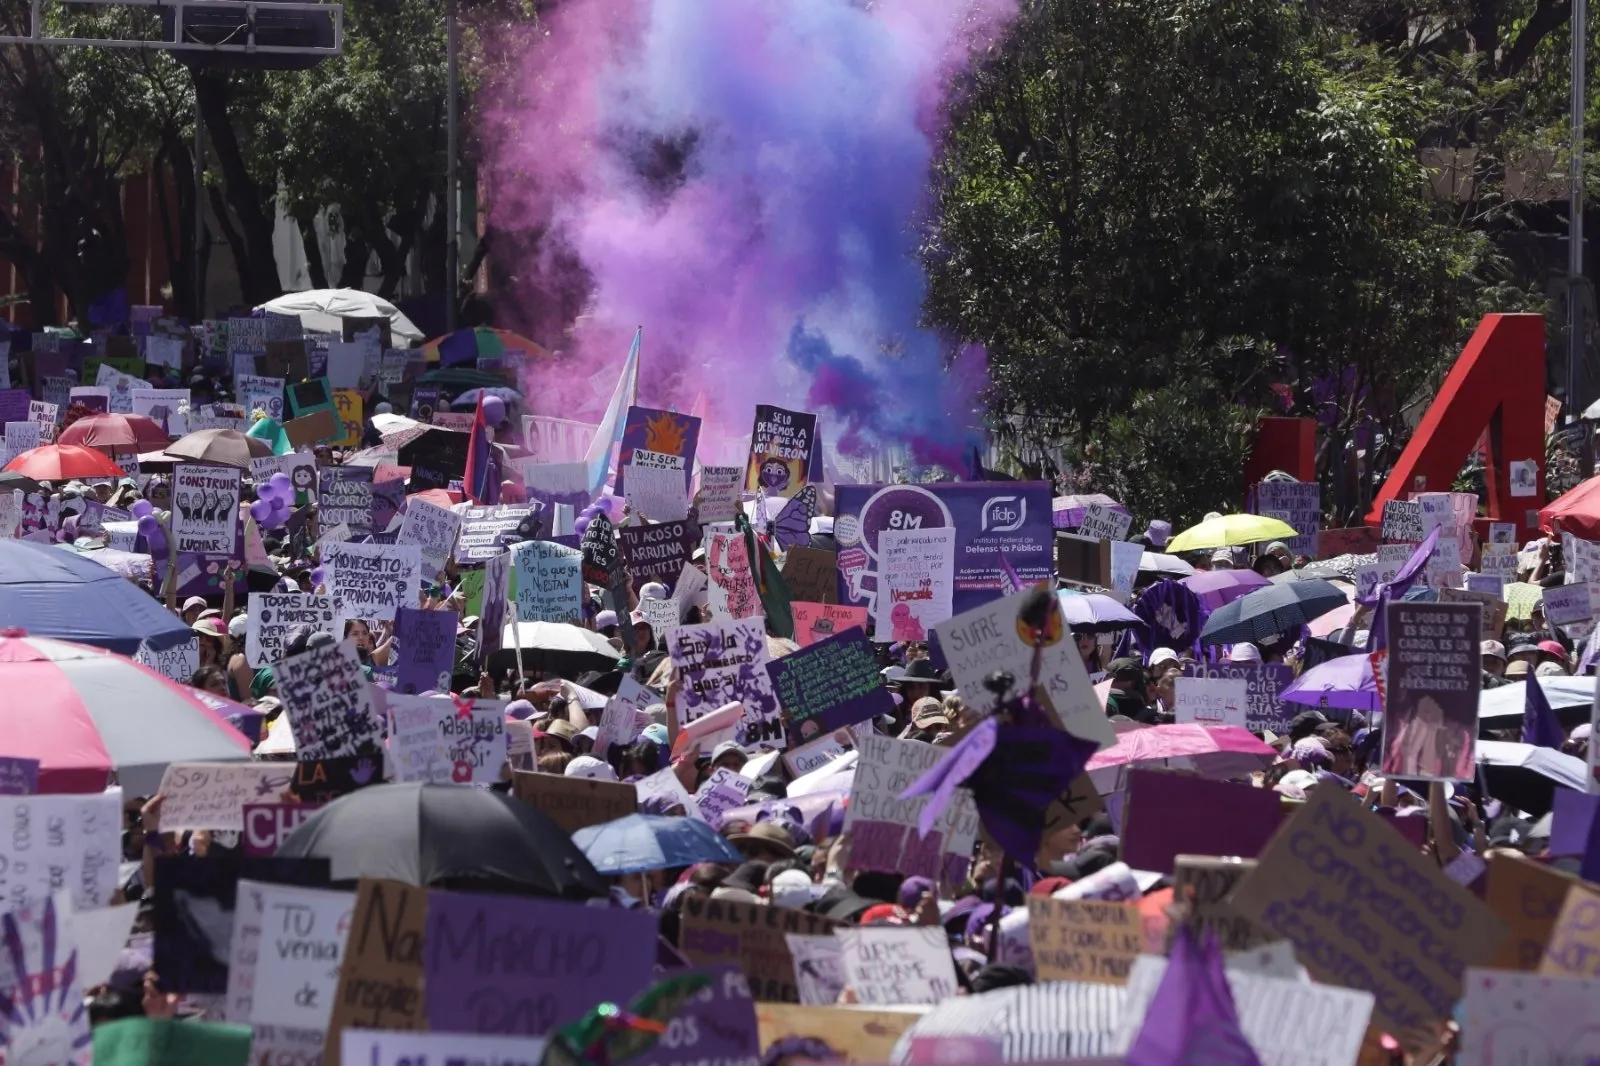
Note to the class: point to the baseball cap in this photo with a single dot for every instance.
(604, 619)
(928, 711)
(1517, 668)
(1492, 647)
(728, 747)
(1552, 647)
(1244, 653)
(1162, 656)
(1222, 555)
(653, 590)
(237, 625)
(194, 601)
(590, 767)
(792, 888)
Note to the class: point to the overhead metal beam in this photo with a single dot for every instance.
(248, 11)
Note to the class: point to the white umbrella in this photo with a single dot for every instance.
(1569, 771)
(1507, 701)
(1162, 563)
(558, 637)
(322, 309)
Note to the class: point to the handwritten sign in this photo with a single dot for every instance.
(433, 529)
(574, 803)
(1299, 503)
(370, 1048)
(1566, 604)
(780, 451)
(898, 964)
(1212, 701)
(812, 574)
(268, 825)
(274, 616)
(205, 508)
(720, 489)
(487, 531)
(303, 933)
(1574, 948)
(178, 662)
(731, 593)
(549, 582)
(344, 495)
(1529, 896)
(1084, 939)
(1508, 1019)
(18, 777)
(372, 581)
(1202, 884)
(1402, 522)
(829, 685)
(883, 826)
(658, 552)
(427, 641)
(380, 973)
(416, 745)
(751, 936)
(1103, 523)
(474, 739)
(916, 578)
(818, 968)
(330, 704)
(819, 621)
(723, 662)
(212, 795)
(76, 847)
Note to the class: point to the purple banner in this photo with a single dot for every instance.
(18, 777)
(991, 518)
(1167, 815)
(501, 964)
(14, 405)
(662, 432)
(829, 685)
(719, 1026)
(1265, 680)
(427, 641)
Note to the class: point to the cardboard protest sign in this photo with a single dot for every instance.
(658, 552)
(1402, 522)
(1103, 523)
(1201, 885)
(1430, 722)
(273, 617)
(1355, 540)
(344, 495)
(474, 735)
(268, 825)
(433, 529)
(489, 531)
(722, 662)
(372, 581)
(212, 795)
(883, 826)
(720, 489)
(1574, 947)
(916, 582)
(45, 1022)
(205, 506)
(381, 1048)
(1264, 708)
(1390, 903)
(750, 936)
(665, 434)
(716, 1025)
(1168, 814)
(731, 593)
(724, 790)
(1084, 939)
(829, 685)
(1212, 701)
(988, 638)
(819, 621)
(330, 704)
(574, 803)
(780, 451)
(427, 643)
(888, 965)
(1566, 604)
(380, 973)
(549, 582)
(812, 574)
(503, 964)
(80, 851)
(1509, 1018)
(303, 932)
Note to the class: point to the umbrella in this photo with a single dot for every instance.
(324, 311)
(482, 341)
(1162, 563)
(445, 836)
(1569, 697)
(635, 843)
(1525, 776)
(1230, 530)
(123, 432)
(1319, 570)
(67, 596)
(1337, 618)
(1218, 587)
(11, 480)
(1095, 612)
(224, 447)
(1345, 682)
(1269, 611)
(83, 712)
(566, 649)
(1521, 598)
(1220, 751)
(63, 462)
(1053, 1021)
(469, 399)
(1578, 510)
(1066, 512)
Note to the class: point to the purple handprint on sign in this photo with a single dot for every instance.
(42, 1013)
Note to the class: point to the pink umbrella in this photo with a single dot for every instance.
(1337, 618)
(1211, 751)
(1217, 587)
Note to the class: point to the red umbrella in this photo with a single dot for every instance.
(1577, 511)
(63, 462)
(123, 432)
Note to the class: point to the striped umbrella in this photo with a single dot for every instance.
(83, 712)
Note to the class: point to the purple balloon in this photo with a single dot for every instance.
(281, 485)
(141, 508)
(261, 511)
(494, 410)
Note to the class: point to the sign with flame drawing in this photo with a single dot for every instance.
(661, 433)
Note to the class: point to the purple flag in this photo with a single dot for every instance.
(1192, 1017)
(1171, 616)
(1539, 724)
(939, 784)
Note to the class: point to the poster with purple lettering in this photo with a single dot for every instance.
(721, 662)
(883, 827)
(780, 451)
(661, 433)
(330, 704)
(916, 583)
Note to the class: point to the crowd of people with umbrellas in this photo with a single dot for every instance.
(324, 785)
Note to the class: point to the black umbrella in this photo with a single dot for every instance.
(445, 836)
(1269, 611)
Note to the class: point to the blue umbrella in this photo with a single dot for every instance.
(1271, 610)
(52, 593)
(638, 842)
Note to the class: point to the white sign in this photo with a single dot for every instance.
(273, 616)
(884, 769)
(370, 1047)
(372, 581)
(177, 663)
(416, 745)
(21, 437)
(916, 582)
(1494, 584)
(664, 784)
(329, 703)
(1510, 1018)
(474, 736)
(433, 529)
(818, 968)
(75, 843)
(1125, 558)
(1212, 700)
(11, 513)
(1565, 604)
(661, 615)
(163, 351)
(720, 490)
(1502, 564)
(44, 1023)
(119, 388)
(1525, 477)
(1101, 522)
(1370, 575)
(300, 466)
(303, 933)
(655, 491)
(256, 391)
(205, 509)
(722, 792)
(165, 407)
(212, 795)
(549, 582)
(889, 965)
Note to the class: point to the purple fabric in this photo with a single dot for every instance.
(1171, 616)
(1066, 512)
(939, 784)
(18, 777)
(1571, 821)
(427, 642)
(723, 1017)
(459, 348)
(1192, 1017)
(1540, 727)
(1345, 682)
(1217, 587)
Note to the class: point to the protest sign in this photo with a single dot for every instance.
(549, 582)
(731, 592)
(493, 606)
(344, 495)
(205, 506)
(273, 617)
(1493, 584)
(303, 932)
(212, 795)
(11, 508)
(474, 736)
(780, 451)
(818, 968)
(829, 685)
(883, 826)
(380, 973)
(167, 408)
(1508, 1019)
(812, 574)
(433, 529)
(177, 663)
(301, 468)
(656, 492)
(80, 850)
(990, 637)
(96, 398)
(1493, 615)
(1103, 523)
(854, 1034)
(1574, 947)
(489, 531)
(45, 1022)
(663, 785)
(720, 662)
(887, 965)
(720, 489)
(1430, 722)
(1213, 701)
(1299, 503)
(119, 388)
(1528, 895)
(657, 552)
(427, 643)
(259, 392)
(660, 615)
(502, 964)
(330, 704)
(819, 621)
(370, 1048)
(21, 437)
(372, 581)
(668, 439)
(1354, 540)
(416, 745)
(574, 803)
(1402, 522)
(1168, 814)
(1264, 708)
(18, 777)
(750, 936)
(1084, 939)
(724, 790)
(716, 1025)
(268, 825)
(1390, 903)
(1201, 885)
(916, 583)
(1566, 604)
(1370, 575)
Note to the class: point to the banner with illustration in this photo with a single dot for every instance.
(780, 451)
(661, 433)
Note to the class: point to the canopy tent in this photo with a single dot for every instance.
(324, 309)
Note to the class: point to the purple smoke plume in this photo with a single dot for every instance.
(745, 179)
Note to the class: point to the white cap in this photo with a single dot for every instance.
(237, 625)
(194, 601)
(792, 888)
(1244, 653)
(1492, 647)
(653, 590)
(1161, 656)
(605, 618)
(592, 768)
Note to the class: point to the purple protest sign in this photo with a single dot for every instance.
(658, 552)
(829, 685)
(427, 641)
(718, 1025)
(1168, 815)
(1012, 517)
(14, 405)
(503, 964)
(1264, 681)
(268, 825)
(18, 777)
